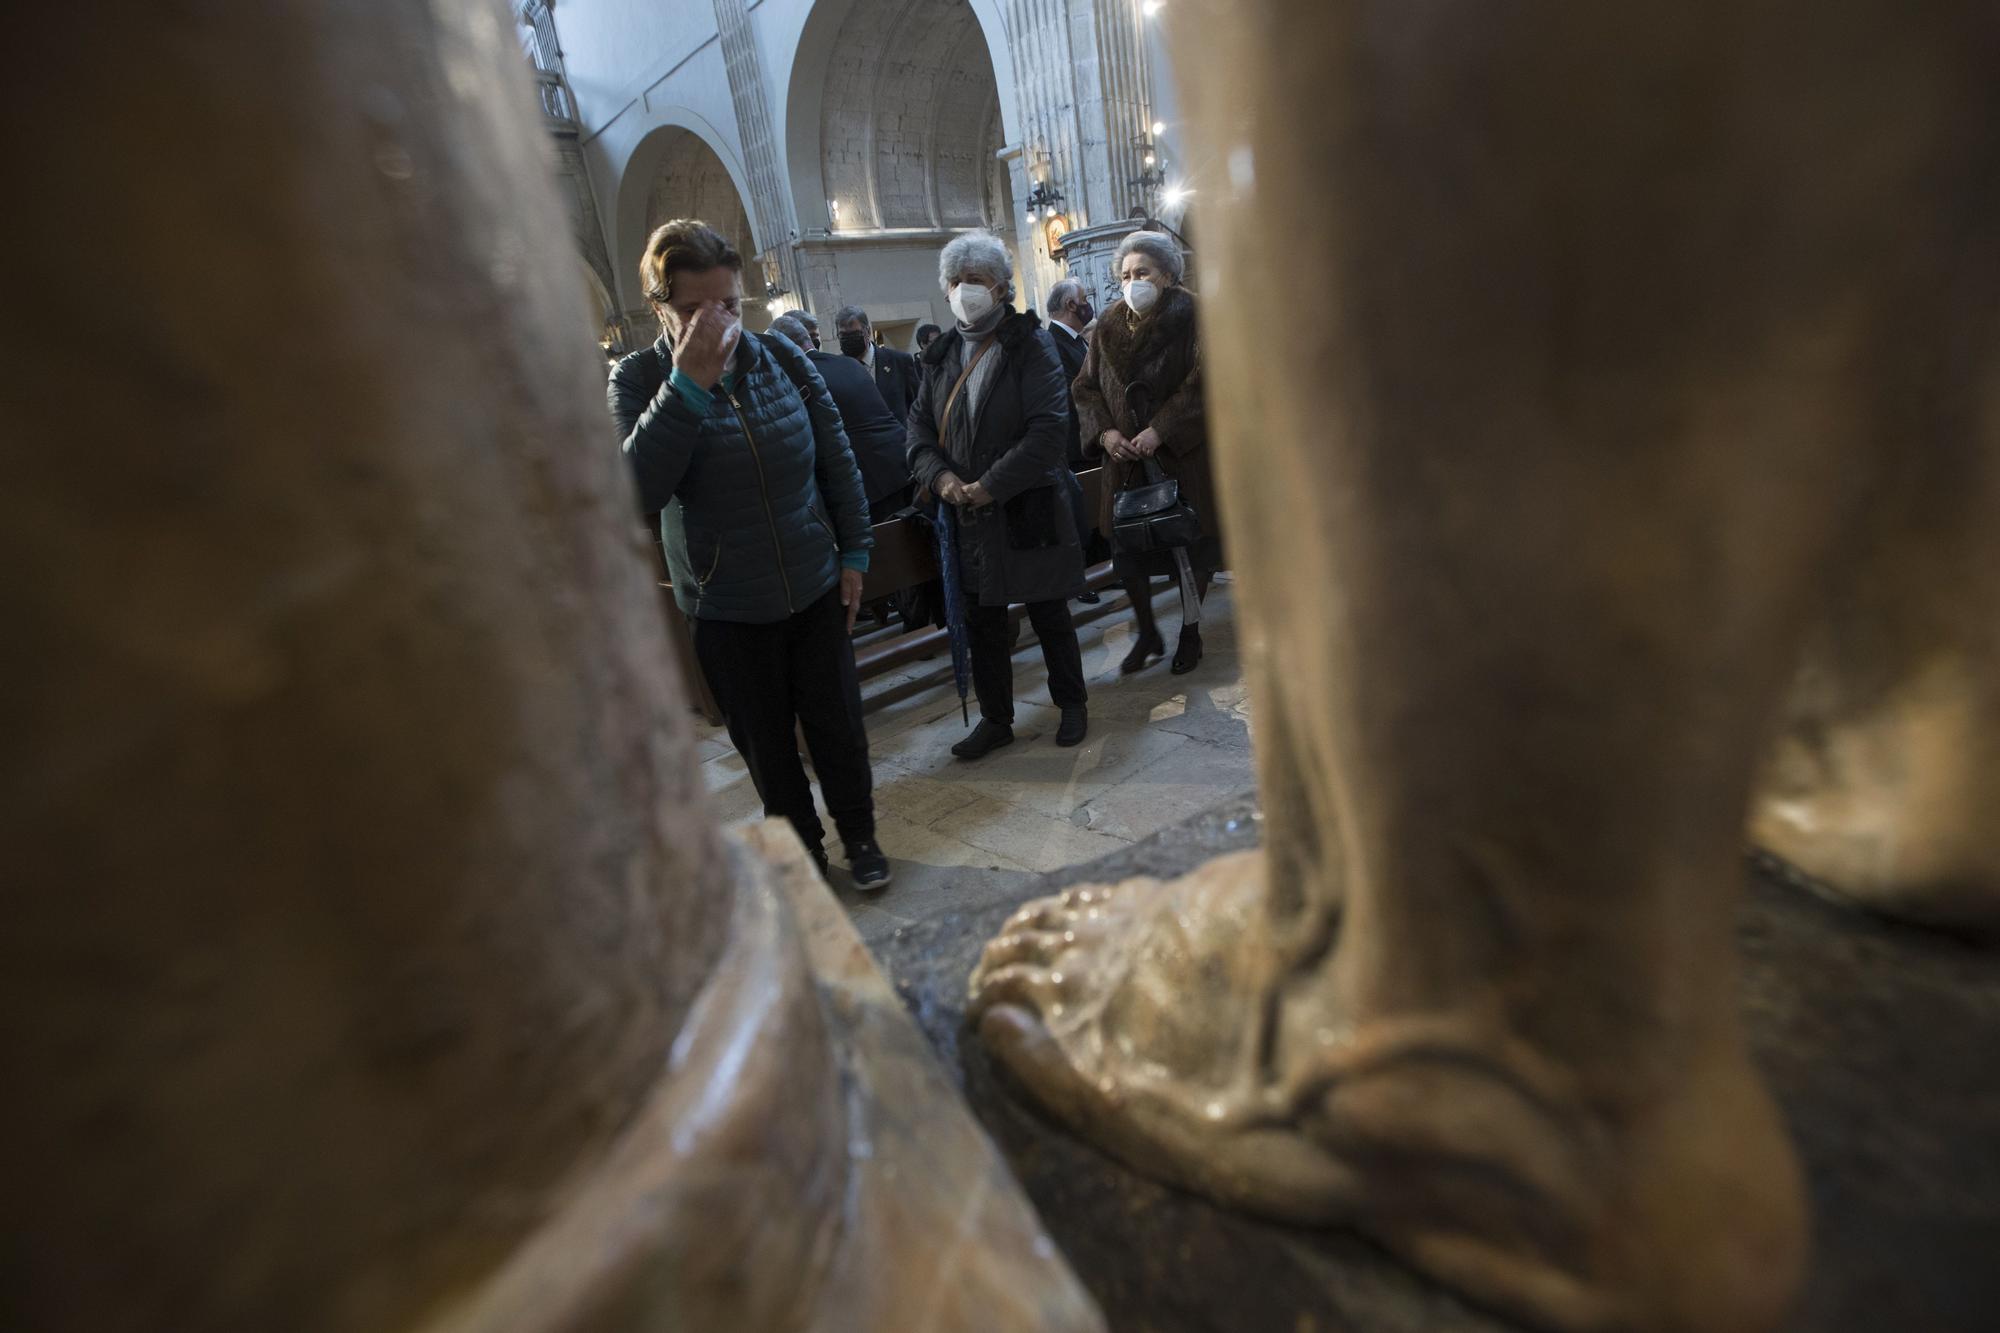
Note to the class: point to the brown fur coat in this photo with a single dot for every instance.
(1162, 352)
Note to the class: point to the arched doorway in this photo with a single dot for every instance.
(676, 173)
(893, 134)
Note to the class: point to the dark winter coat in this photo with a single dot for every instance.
(759, 498)
(1161, 352)
(896, 379)
(1024, 547)
(874, 432)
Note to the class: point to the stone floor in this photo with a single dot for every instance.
(1162, 748)
(1879, 1041)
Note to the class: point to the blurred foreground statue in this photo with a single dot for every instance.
(371, 960)
(1647, 369)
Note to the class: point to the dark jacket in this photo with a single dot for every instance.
(896, 378)
(873, 431)
(1024, 547)
(753, 527)
(1072, 348)
(1162, 353)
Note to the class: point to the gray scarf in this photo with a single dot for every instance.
(980, 332)
(958, 442)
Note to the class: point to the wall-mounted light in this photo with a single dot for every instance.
(1043, 201)
(1159, 128)
(1154, 173)
(1152, 7)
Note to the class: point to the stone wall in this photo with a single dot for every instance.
(693, 183)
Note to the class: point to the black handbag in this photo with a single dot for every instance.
(1152, 516)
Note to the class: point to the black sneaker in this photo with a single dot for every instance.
(987, 737)
(1075, 725)
(868, 866)
(1088, 597)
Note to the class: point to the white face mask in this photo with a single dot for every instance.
(971, 302)
(1140, 295)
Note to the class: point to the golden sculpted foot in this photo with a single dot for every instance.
(1891, 807)
(1163, 1022)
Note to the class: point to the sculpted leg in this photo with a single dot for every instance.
(1528, 519)
(371, 960)
(1885, 781)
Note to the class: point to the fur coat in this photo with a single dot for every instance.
(1135, 362)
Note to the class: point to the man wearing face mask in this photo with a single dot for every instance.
(874, 432)
(811, 326)
(992, 406)
(736, 443)
(895, 372)
(1069, 315)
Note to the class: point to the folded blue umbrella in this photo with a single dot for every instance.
(945, 524)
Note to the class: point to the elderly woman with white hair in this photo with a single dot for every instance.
(1139, 402)
(987, 436)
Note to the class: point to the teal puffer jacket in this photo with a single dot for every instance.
(760, 497)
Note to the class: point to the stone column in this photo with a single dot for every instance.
(777, 225)
(1085, 89)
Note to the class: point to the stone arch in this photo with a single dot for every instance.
(896, 109)
(680, 168)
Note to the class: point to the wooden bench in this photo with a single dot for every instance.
(904, 557)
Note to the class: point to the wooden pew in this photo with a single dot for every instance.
(905, 556)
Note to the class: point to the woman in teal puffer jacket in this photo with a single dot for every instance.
(736, 444)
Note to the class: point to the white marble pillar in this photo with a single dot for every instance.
(1086, 88)
(770, 201)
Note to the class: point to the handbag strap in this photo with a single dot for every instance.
(944, 417)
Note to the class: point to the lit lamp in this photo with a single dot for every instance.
(1043, 201)
(1154, 175)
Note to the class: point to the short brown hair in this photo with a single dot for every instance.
(685, 245)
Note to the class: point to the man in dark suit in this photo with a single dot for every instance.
(1069, 315)
(895, 372)
(873, 431)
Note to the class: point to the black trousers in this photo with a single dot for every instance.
(800, 671)
(993, 657)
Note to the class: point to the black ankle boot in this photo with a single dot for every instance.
(1149, 645)
(1187, 655)
(984, 739)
